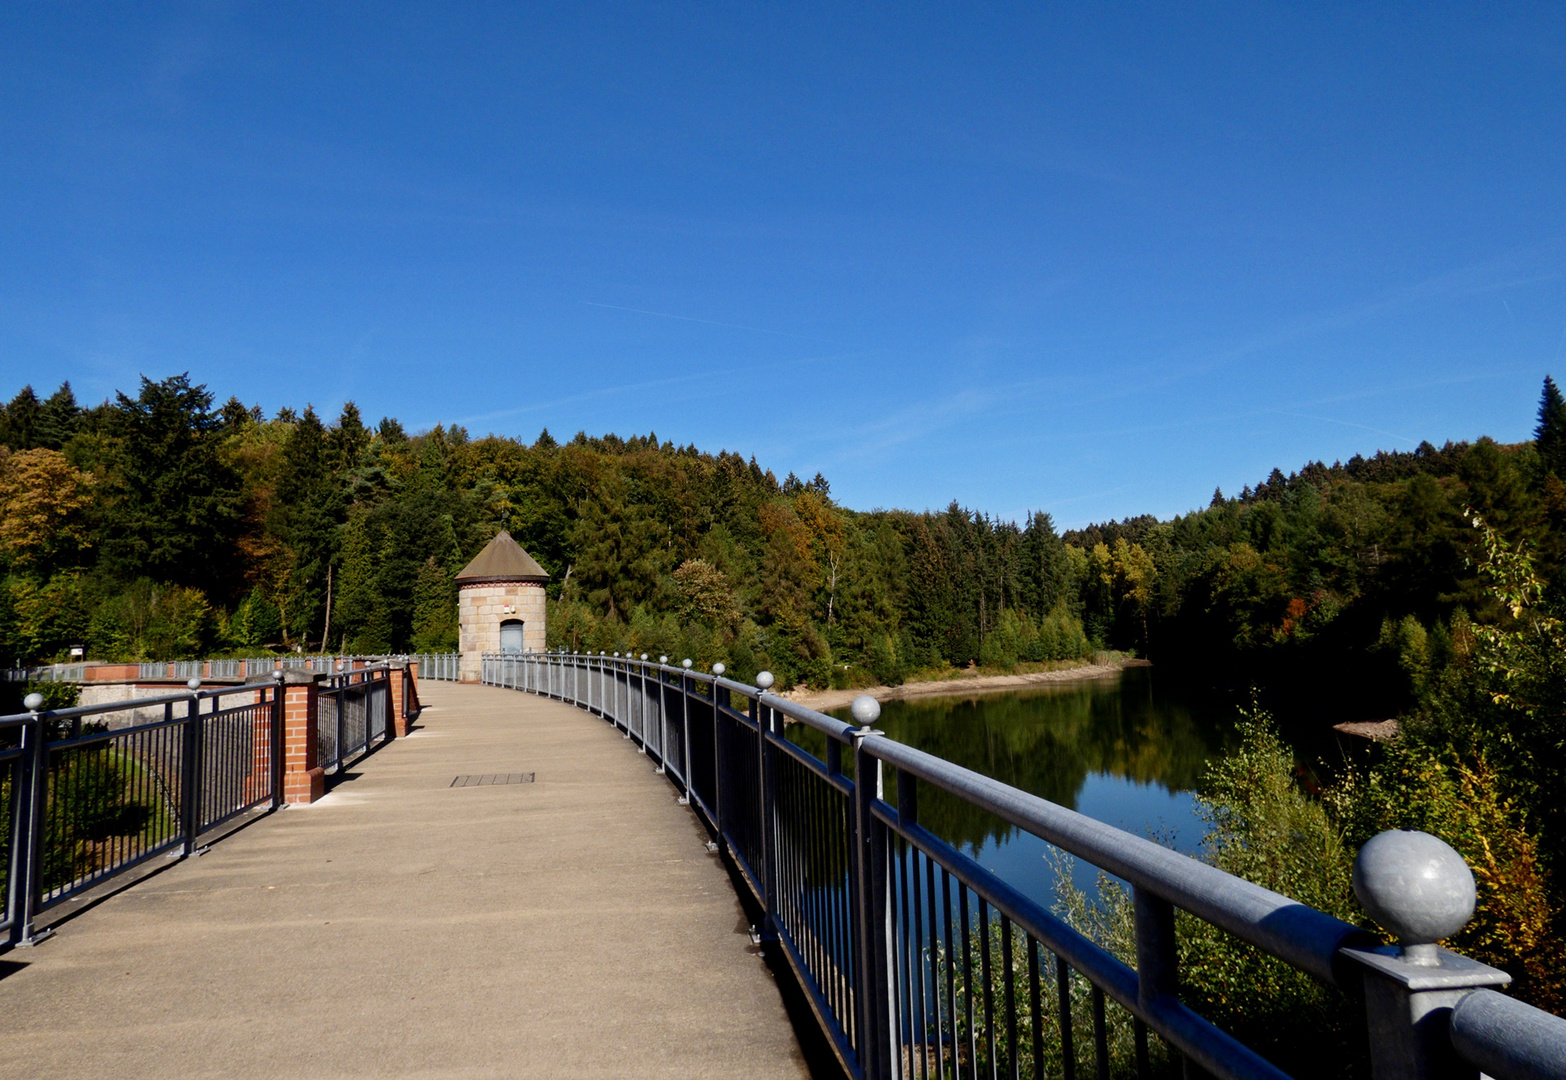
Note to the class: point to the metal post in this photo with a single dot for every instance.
(1157, 959)
(719, 694)
(622, 712)
(1420, 889)
(342, 709)
(641, 674)
(276, 733)
(873, 908)
(765, 719)
(190, 770)
(30, 827)
(685, 721)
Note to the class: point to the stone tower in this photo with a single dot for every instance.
(500, 604)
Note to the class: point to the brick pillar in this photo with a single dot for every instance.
(415, 706)
(304, 781)
(398, 726)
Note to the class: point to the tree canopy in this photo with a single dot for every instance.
(255, 533)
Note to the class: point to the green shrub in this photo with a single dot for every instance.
(1264, 828)
(1107, 920)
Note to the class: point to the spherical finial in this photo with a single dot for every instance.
(617, 655)
(865, 710)
(718, 668)
(764, 680)
(644, 657)
(663, 659)
(686, 663)
(1416, 886)
(194, 682)
(33, 702)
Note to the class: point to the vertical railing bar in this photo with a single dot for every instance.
(986, 971)
(967, 981)
(951, 966)
(813, 806)
(819, 795)
(923, 957)
(788, 862)
(832, 926)
(845, 813)
(838, 808)
(1036, 1006)
(1100, 1035)
(1010, 993)
(1068, 1052)
(902, 959)
(935, 952)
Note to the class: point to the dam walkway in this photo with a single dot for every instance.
(510, 890)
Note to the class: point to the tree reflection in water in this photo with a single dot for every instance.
(1113, 749)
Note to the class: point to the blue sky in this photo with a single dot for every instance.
(1090, 259)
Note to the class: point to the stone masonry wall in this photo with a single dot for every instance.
(482, 608)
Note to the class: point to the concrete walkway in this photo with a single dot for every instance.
(575, 926)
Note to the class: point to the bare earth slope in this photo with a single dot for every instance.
(972, 684)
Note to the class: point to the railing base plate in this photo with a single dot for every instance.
(36, 938)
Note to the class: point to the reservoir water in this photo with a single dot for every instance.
(1122, 750)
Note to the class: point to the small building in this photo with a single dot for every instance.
(500, 604)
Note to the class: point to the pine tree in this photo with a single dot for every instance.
(57, 418)
(19, 421)
(1550, 435)
(172, 503)
(346, 442)
(434, 609)
(306, 516)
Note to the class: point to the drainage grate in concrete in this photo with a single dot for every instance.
(489, 779)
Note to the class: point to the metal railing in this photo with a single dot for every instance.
(919, 962)
(80, 804)
(227, 668)
(353, 714)
(46, 673)
(442, 667)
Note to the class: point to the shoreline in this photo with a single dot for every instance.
(822, 700)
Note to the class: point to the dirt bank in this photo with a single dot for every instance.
(821, 700)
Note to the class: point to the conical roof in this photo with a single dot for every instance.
(502, 560)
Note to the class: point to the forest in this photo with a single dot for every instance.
(162, 525)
